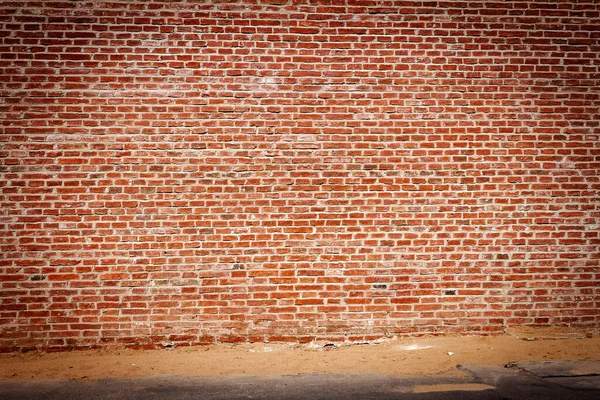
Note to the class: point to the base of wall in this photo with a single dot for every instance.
(158, 342)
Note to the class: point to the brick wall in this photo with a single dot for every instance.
(194, 172)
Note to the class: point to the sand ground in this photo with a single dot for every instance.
(395, 357)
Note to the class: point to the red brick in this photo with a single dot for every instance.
(330, 172)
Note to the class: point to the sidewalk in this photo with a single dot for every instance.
(411, 368)
(481, 383)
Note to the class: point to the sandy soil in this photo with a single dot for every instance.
(399, 357)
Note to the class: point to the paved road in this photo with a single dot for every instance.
(482, 383)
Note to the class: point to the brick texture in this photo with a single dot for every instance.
(187, 172)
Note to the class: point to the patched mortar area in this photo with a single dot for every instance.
(551, 333)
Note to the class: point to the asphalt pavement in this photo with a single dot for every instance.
(578, 380)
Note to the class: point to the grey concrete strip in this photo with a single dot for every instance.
(513, 384)
(578, 382)
(546, 369)
(299, 387)
(484, 383)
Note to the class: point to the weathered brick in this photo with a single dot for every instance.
(343, 170)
